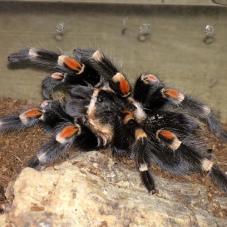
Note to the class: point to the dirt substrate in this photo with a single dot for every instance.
(17, 148)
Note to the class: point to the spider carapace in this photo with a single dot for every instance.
(90, 104)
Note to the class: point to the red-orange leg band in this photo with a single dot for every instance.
(152, 77)
(124, 86)
(172, 93)
(165, 135)
(33, 113)
(72, 63)
(68, 131)
(140, 134)
(169, 138)
(127, 117)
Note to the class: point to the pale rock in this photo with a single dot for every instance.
(92, 190)
(2, 220)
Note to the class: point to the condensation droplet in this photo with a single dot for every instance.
(60, 27)
(209, 30)
(144, 32)
(145, 28)
(124, 26)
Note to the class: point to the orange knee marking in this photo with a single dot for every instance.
(152, 77)
(127, 117)
(124, 86)
(57, 76)
(68, 131)
(172, 93)
(139, 134)
(33, 113)
(123, 83)
(72, 63)
(166, 135)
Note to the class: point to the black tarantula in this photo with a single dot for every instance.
(90, 104)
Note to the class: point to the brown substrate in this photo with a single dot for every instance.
(17, 148)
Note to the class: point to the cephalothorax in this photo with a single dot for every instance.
(90, 104)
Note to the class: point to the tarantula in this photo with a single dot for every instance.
(90, 104)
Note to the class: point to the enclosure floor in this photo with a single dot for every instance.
(17, 148)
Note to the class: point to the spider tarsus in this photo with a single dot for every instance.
(154, 192)
(205, 114)
(10, 123)
(218, 177)
(51, 151)
(216, 127)
(148, 181)
(117, 152)
(16, 123)
(22, 55)
(33, 163)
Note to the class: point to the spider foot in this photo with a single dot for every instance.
(34, 163)
(147, 178)
(117, 152)
(218, 176)
(216, 127)
(56, 147)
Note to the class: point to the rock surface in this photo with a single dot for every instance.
(93, 190)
